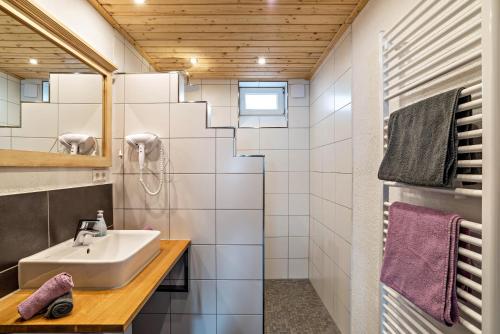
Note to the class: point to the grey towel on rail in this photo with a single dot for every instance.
(422, 142)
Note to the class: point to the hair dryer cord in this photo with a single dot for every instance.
(163, 165)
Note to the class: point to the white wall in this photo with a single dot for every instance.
(331, 182)
(10, 103)
(286, 153)
(84, 20)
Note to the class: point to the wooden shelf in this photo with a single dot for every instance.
(98, 311)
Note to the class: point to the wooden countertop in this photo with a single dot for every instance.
(98, 311)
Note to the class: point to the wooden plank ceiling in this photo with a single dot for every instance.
(228, 36)
(19, 44)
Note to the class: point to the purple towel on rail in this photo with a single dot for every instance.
(420, 259)
(46, 294)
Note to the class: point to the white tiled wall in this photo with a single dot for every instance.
(286, 153)
(10, 102)
(75, 106)
(331, 183)
(202, 201)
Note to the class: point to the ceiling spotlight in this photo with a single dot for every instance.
(139, 2)
(194, 61)
(261, 61)
(33, 61)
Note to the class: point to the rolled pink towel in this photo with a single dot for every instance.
(47, 293)
(148, 228)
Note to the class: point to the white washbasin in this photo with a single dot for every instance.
(108, 262)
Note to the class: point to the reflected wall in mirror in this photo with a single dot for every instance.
(50, 101)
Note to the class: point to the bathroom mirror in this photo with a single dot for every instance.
(55, 93)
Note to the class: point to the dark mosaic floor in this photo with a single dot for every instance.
(293, 307)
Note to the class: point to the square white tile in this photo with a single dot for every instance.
(276, 268)
(239, 226)
(299, 139)
(201, 298)
(239, 262)
(276, 248)
(195, 225)
(189, 120)
(147, 118)
(192, 191)
(239, 297)
(240, 324)
(343, 189)
(299, 204)
(299, 247)
(276, 183)
(298, 226)
(155, 219)
(216, 95)
(276, 204)
(80, 88)
(195, 155)
(298, 268)
(276, 226)
(147, 88)
(193, 324)
(274, 139)
(299, 182)
(276, 160)
(202, 262)
(239, 191)
(228, 163)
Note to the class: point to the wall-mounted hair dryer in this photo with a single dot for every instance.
(79, 143)
(145, 143)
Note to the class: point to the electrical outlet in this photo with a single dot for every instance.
(99, 175)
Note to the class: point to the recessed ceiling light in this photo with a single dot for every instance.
(261, 61)
(139, 2)
(33, 61)
(194, 61)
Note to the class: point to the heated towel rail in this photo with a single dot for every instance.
(439, 45)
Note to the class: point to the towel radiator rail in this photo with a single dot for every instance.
(449, 43)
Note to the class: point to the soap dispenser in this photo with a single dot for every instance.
(101, 224)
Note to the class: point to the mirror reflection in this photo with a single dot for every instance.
(50, 101)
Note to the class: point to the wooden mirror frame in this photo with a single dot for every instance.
(35, 18)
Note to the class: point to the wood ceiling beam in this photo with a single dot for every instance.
(251, 28)
(260, 36)
(235, 55)
(230, 19)
(242, 43)
(231, 2)
(261, 50)
(225, 9)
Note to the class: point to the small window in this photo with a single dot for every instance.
(262, 101)
(263, 104)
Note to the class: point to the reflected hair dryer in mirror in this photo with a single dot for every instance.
(145, 143)
(79, 143)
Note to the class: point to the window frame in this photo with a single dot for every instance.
(260, 115)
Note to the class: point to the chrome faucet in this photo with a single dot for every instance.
(84, 231)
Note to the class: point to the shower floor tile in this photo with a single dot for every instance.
(293, 307)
